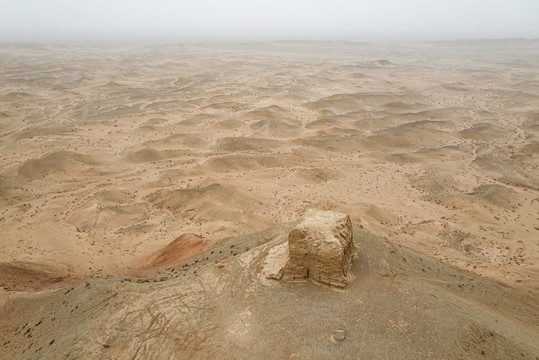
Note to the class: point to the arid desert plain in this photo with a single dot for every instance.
(130, 176)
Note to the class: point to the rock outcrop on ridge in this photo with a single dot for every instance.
(321, 248)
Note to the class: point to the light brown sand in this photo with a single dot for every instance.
(106, 156)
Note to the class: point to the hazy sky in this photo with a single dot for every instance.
(203, 20)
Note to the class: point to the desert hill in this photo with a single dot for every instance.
(219, 304)
(124, 163)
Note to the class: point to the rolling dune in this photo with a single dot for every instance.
(134, 164)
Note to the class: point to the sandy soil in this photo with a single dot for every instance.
(402, 305)
(107, 156)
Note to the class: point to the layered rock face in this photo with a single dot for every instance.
(321, 248)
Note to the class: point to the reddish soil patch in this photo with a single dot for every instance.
(183, 247)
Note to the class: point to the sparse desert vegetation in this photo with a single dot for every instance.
(143, 189)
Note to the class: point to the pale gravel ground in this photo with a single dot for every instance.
(432, 146)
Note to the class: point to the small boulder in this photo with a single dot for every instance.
(321, 248)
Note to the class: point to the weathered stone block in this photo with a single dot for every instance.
(321, 248)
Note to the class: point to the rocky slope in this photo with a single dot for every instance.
(219, 305)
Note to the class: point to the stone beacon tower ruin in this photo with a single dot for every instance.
(321, 248)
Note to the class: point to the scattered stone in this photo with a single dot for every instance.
(339, 334)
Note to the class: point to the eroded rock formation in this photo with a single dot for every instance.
(321, 248)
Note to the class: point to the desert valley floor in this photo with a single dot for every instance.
(120, 163)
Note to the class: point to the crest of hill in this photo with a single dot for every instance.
(62, 162)
(208, 202)
(211, 306)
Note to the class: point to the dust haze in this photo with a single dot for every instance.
(239, 20)
(155, 193)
